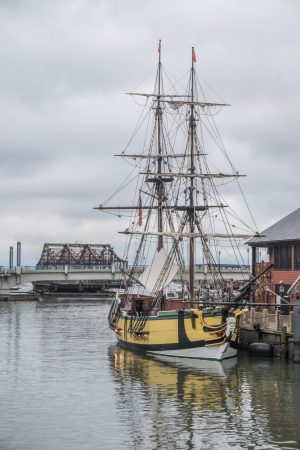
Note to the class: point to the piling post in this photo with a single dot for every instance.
(291, 318)
(283, 349)
(280, 322)
(277, 320)
(296, 330)
(252, 316)
(264, 321)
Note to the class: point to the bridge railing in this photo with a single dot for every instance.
(60, 267)
(75, 267)
(199, 267)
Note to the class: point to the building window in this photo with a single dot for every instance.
(297, 257)
(283, 257)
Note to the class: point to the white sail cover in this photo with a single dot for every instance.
(153, 272)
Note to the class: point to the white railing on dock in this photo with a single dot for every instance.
(267, 321)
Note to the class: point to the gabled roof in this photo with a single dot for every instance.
(286, 229)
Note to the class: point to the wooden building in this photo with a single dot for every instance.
(282, 242)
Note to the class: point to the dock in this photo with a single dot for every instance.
(271, 328)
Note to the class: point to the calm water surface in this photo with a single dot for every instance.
(64, 384)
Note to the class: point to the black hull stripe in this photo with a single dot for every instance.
(176, 346)
(182, 336)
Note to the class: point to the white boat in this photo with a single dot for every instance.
(22, 289)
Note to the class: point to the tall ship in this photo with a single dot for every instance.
(174, 300)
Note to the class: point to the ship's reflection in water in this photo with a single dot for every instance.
(245, 403)
(64, 385)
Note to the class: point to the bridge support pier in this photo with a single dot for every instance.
(18, 275)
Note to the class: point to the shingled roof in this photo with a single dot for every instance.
(286, 229)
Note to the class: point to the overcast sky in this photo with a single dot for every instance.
(65, 66)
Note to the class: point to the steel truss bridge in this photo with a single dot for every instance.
(56, 256)
(87, 263)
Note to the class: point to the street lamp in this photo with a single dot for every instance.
(281, 290)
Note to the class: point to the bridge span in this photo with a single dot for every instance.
(17, 275)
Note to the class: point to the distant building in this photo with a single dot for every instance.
(79, 255)
(282, 241)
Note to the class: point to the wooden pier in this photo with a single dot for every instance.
(275, 329)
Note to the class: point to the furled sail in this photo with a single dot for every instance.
(159, 273)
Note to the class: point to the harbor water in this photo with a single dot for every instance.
(66, 385)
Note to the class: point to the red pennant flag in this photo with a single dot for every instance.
(193, 55)
(159, 46)
(140, 211)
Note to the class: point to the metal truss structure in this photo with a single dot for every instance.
(91, 255)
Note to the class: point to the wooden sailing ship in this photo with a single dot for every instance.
(178, 215)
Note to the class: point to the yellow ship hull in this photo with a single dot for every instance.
(190, 333)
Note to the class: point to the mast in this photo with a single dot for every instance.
(191, 184)
(172, 207)
(159, 183)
